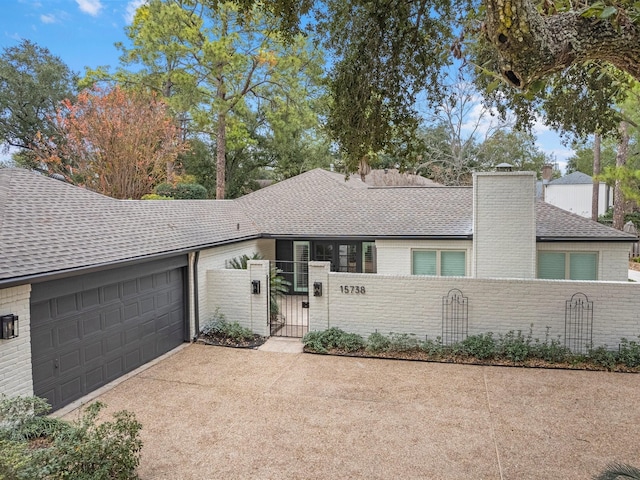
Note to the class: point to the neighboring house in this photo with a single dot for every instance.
(574, 193)
(102, 286)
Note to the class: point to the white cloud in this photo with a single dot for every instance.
(48, 18)
(132, 6)
(92, 7)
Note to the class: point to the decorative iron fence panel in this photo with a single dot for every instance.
(455, 317)
(578, 323)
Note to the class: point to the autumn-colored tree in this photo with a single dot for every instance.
(116, 142)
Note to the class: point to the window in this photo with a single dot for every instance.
(446, 263)
(568, 266)
(300, 266)
(369, 257)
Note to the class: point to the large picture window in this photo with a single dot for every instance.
(568, 265)
(445, 263)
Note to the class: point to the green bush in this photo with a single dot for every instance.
(326, 340)
(402, 342)
(155, 196)
(182, 191)
(550, 350)
(603, 357)
(629, 354)
(377, 343)
(433, 347)
(481, 346)
(37, 447)
(515, 346)
(218, 326)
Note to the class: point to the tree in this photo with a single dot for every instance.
(32, 83)
(388, 52)
(116, 142)
(216, 62)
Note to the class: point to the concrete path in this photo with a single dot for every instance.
(221, 413)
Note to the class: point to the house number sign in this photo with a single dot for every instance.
(353, 289)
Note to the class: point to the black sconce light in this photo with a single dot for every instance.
(9, 324)
(255, 287)
(317, 289)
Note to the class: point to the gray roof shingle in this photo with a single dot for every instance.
(48, 226)
(575, 178)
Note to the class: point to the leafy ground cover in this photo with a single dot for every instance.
(513, 349)
(218, 331)
(37, 447)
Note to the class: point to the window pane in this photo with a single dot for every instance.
(551, 265)
(300, 266)
(347, 258)
(583, 266)
(369, 257)
(452, 264)
(424, 263)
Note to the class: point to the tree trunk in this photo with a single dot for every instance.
(532, 45)
(221, 151)
(595, 198)
(621, 161)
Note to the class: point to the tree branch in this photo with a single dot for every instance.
(531, 45)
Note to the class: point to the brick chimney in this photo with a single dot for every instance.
(547, 173)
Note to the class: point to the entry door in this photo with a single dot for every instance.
(348, 258)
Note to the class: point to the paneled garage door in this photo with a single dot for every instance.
(89, 330)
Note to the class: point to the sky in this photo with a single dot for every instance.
(83, 33)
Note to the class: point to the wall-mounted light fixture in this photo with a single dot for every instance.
(317, 289)
(9, 325)
(255, 287)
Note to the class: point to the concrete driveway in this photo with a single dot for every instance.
(212, 412)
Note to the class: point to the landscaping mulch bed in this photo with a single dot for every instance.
(224, 341)
(421, 356)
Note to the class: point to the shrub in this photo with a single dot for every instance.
(155, 196)
(333, 337)
(218, 326)
(603, 357)
(402, 342)
(182, 191)
(39, 447)
(551, 350)
(377, 343)
(432, 347)
(515, 346)
(481, 346)
(629, 354)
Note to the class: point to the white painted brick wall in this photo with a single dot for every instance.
(412, 304)
(394, 256)
(504, 231)
(216, 258)
(15, 354)
(230, 291)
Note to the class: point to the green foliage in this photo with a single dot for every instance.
(219, 326)
(38, 447)
(629, 353)
(240, 263)
(155, 196)
(514, 346)
(618, 471)
(377, 343)
(181, 191)
(482, 346)
(607, 218)
(333, 338)
(402, 342)
(32, 82)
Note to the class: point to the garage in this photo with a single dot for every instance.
(88, 330)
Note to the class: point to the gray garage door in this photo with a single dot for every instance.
(89, 330)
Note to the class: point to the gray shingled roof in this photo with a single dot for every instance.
(48, 226)
(575, 178)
